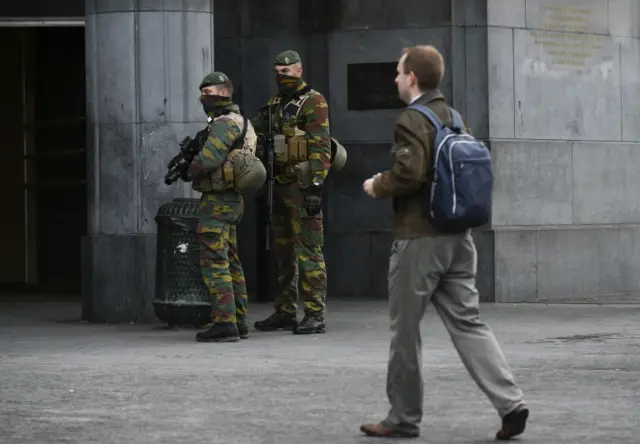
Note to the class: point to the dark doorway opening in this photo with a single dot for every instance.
(42, 182)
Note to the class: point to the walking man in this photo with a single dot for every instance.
(300, 119)
(427, 265)
(221, 209)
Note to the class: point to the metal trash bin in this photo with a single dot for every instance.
(181, 297)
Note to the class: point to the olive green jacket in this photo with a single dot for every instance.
(408, 181)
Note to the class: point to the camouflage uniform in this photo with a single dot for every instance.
(220, 211)
(297, 230)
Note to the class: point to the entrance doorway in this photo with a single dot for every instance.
(42, 172)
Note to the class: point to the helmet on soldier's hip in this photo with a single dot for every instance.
(249, 174)
(338, 155)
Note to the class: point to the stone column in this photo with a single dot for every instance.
(145, 59)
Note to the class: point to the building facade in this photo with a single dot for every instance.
(551, 85)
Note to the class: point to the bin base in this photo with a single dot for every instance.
(176, 315)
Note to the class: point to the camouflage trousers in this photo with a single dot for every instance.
(298, 245)
(222, 271)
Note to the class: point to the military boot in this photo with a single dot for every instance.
(243, 330)
(312, 323)
(219, 333)
(279, 320)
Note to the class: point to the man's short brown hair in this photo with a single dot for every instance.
(228, 84)
(426, 63)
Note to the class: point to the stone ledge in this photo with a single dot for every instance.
(567, 265)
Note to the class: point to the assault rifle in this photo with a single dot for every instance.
(189, 148)
(265, 271)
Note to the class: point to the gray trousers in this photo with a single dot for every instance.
(442, 270)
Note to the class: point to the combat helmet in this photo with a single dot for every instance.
(338, 155)
(244, 172)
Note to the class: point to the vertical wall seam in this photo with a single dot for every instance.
(137, 134)
(92, 50)
(622, 98)
(167, 105)
(212, 40)
(185, 64)
(513, 74)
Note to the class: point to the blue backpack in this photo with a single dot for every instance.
(462, 184)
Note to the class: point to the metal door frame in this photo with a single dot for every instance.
(31, 267)
(30, 22)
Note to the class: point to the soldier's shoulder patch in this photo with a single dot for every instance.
(316, 95)
(316, 100)
(222, 120)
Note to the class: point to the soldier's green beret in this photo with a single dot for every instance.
(286, 58)
(214, 78)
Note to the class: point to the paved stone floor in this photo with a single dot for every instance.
(65, 381)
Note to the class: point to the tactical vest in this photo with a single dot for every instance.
(240, 158)
(290, 142)
(248, 134)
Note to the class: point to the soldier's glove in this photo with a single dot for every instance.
(313, 200)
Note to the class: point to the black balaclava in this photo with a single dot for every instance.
(215, 105)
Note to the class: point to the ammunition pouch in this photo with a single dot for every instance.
(291, 147)
(243, 172)
(228, 178)
(209, 182)
(303, 174)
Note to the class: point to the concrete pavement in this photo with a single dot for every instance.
(65, 381)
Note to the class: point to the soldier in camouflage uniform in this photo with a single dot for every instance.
(220, 211)
(300, 118)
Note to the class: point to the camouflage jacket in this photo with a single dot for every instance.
(224, 206)
(313, 119)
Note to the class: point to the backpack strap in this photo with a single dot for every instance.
(457, 121)
(435, 121)
(239, 142)
(456, 118)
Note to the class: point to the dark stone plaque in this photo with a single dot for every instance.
(371, 86)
